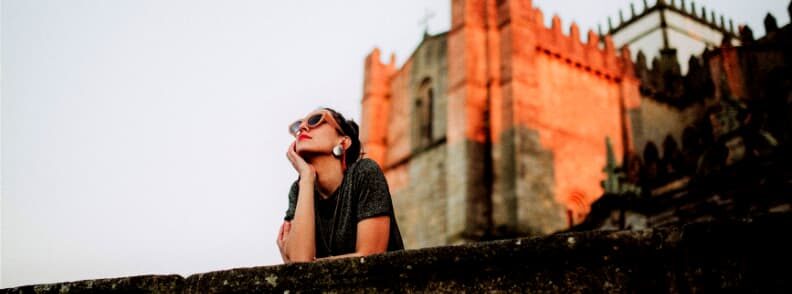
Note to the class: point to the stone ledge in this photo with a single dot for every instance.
(746, 255)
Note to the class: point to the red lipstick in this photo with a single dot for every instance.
(303, 137)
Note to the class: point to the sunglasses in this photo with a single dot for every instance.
(314, 120)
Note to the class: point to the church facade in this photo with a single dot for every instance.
(498, 127)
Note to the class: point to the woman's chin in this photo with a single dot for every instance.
(306, 152)
(301, 148)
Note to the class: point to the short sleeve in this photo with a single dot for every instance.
(295, 189)
(372, 190)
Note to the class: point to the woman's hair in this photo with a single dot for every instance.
(351, 130)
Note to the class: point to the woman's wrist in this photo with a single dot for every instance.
(307, 180)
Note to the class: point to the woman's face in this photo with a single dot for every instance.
(320, 139)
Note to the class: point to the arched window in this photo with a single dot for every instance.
(577, 207)
(424, 105)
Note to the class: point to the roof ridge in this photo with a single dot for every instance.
(690, 11)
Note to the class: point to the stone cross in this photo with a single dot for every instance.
(424, 22)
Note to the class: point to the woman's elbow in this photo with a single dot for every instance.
(299, 255)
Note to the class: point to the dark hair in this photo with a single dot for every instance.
(352, 131)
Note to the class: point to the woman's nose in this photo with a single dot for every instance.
(303, 128)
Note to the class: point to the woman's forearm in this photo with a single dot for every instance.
(301, 244)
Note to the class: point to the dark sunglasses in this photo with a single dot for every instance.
(313, 120)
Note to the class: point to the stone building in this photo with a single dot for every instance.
(734, 158)
(498, 127)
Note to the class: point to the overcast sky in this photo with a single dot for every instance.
(149, 137)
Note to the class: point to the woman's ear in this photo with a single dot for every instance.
(346, 142)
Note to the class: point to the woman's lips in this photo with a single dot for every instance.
(303, 137)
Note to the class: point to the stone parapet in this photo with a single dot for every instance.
(746, 255)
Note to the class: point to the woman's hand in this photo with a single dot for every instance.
(306, 170)
(283, 234)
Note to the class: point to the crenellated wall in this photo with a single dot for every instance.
(561, 98)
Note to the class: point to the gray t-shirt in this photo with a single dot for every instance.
(363, 193)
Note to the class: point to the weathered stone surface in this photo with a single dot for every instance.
(135, 284)
(421, 207)
(416, 165)
(747, 255)
(428, 69)
(538, 210)
(656, 120)
(468, 180)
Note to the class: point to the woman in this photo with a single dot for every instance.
(340, 205)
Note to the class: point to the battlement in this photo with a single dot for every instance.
(376, 93)
(662, 80)
(377, 73)
(602, 60)
(698, 14)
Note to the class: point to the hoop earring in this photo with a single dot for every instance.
(338, 150)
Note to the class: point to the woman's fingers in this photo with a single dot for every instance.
(289, 152)
(280, 232)
(293, 157)
(302, 167)
(293, 149)
(283, 232)
(296, 160)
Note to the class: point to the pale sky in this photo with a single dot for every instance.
(149, 137)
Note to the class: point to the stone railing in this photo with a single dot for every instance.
(748, 255)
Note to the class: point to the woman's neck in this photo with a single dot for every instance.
(329, 174)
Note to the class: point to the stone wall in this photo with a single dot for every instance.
(656, 120)
(415, 165)
(559, 97)
(749, 255)
(421, 207)
(538, 209)
(575, 111)
(429, 63)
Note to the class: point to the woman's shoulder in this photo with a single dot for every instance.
(367, 178)
(365, 166)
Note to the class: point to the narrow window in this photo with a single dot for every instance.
(424, 106)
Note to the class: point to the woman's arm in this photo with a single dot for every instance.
(300, 244)
(372, 237)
